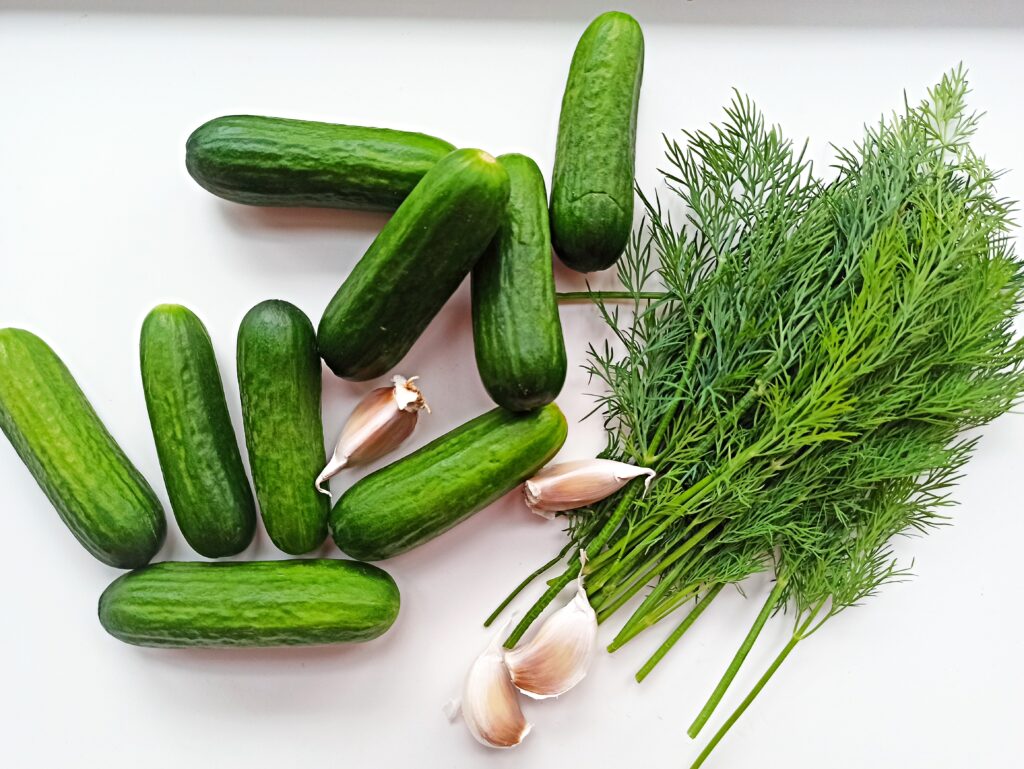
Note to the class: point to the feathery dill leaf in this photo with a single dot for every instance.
(801, 378)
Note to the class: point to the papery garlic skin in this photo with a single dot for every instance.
(379, 423)
(559, 655)
(578, 483)
(490, 702)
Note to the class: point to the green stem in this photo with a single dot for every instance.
(637, 584)
(737, 661)
(683, 503)
(522, 585)
(670, 413)
(676, 634)
(570, 574)
(732, 719)
(565, 297)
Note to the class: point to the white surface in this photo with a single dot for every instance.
(99, 222)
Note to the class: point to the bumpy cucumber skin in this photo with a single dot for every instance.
(247, 604)
(592, 184)
(517, 333)
(195, 440)
(267, 161)
(414, 265)
(100, 496)
(428, 492)
(279, 382)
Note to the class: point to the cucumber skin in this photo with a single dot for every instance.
(279, 383)
(250, 604)
(428, 492)
(98, 493)
(592, 183)
(195, 440)
(517, 334)
(267, 161)
(415, 264)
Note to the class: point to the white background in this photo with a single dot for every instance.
(99, 222)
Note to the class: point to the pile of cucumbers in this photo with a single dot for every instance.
(456, 212)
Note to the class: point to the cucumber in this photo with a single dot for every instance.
(268, 161)
(517, 334)
(195, 441)
(97, 491)
(279, 382)
(256, 603)
(426, 493)
(592, 184)
(414, 265)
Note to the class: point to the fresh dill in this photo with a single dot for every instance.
(798, 362)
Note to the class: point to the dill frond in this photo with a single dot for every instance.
(804, 375)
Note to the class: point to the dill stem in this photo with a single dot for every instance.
(676, 634)
(670, 414)
(799, 634)
(683, 503)
(687, 500)
(569, 297)
(522, 585)
(638, 583)
(657, 613)
(741, 708)
(738, 659)
(570, 573)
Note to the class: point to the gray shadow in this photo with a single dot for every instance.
(769, 13)
(258, 218)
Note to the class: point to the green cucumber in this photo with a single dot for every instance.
(592, 184)
(426, 493)
(414, 265)
(195, 441)
(97, 491)
(268, 161)
(279, 382)
(256, 603)
(516, 330)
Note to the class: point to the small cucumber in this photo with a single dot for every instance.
(268, 161)
(414, 265)
(256, 603)
(516, 330)
(592, 184)
(97, 491)
(279, 382)
(195, 441)
(424, 494)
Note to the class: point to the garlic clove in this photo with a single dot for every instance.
(559, 655)
(490, 702)
(380, 422)
(578, 483)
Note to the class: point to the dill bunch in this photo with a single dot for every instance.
(799, 363)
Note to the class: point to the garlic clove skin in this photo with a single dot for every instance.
(559, 655)
(380, 422)
(578, 483)
(490, 702)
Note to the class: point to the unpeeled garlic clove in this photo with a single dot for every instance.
(578, 483)
(379, 423)
(490, 702)
(559, 655)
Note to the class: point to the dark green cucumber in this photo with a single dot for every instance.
(516, 330)
(414, 265)
(257, 603)
(592, 184)
(268, 161)
(279, 382)
(426, 493)
(195, 441)
(97, 491)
